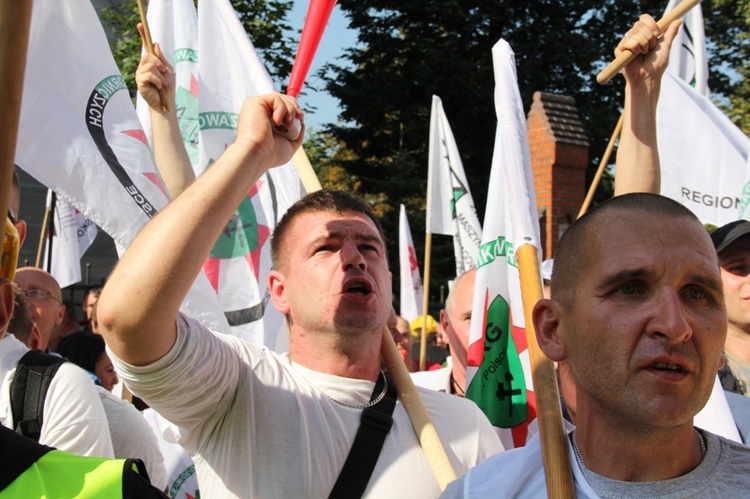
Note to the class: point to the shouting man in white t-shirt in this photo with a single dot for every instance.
(260, 424)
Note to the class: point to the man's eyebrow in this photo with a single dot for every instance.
(338, 234)
(707, 282)
(621, 276)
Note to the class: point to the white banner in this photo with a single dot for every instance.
(230, 71)
(80, 136)
(498, 373)
(71, 236)
(411, 282)
(703, 154)
(450, 207)
(687, 57)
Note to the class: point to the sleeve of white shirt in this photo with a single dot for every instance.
(74, 419)
(194, 384)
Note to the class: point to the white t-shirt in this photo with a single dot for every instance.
(258, 425)
(132, 436)
(74, 419)
(438, 380)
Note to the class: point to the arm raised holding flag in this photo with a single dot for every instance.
(637, 153)
(146, 332)
(156, 82)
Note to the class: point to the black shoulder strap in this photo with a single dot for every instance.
(28, 390)
(17, 454)
(375, 424)
(136, 484)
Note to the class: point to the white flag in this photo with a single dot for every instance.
(498, 372)
(71, 236)
(174, 25)
(687, 57)
(230, 71)
(450, 207)
(411, 282)
(80, 136)
(703, 154)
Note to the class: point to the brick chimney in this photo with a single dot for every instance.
(559, 157)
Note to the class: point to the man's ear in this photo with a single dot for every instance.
(35, 339)
(277, 288)
(60, 314)
(21, 228)
(547, 326)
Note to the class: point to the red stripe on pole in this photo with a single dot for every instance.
(318, 13)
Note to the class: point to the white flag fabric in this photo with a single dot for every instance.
(72, 235)
(80, 136)
(450, 207)
(703, 154)
(411, 282)
(498, 372)
(174, 25)
(229, 71)
(687, 57)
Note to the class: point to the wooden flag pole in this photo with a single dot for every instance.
(42, 235)
(15, 21)
(420, 418)
(602, 164)
(150, 49)
(407, 392)
(557, 471)
(425, 302)
(626, 56)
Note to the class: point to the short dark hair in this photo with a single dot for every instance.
(324, 200)
(575, 239)
(20, 324)
(82, 349)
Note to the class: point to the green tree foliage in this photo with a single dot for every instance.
(409, 50)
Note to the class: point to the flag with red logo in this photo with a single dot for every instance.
(174, 25)
(70, 234)
(498, 373)
(411, 282)
(229, 70)
(80, 136)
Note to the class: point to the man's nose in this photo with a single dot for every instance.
(670, 318)
(351, 256)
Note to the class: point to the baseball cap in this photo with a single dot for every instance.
(729, 233)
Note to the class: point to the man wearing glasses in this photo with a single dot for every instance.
(44, 300)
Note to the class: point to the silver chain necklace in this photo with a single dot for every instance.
(352, 406)
(701, 441)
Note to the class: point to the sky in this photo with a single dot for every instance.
(336, 38)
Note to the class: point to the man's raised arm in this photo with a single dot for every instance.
(139, 304)
(638, 168)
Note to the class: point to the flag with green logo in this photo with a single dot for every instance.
(498, 375)
(229, 70)
(79, 134)
(450, 207)
(174, 25)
